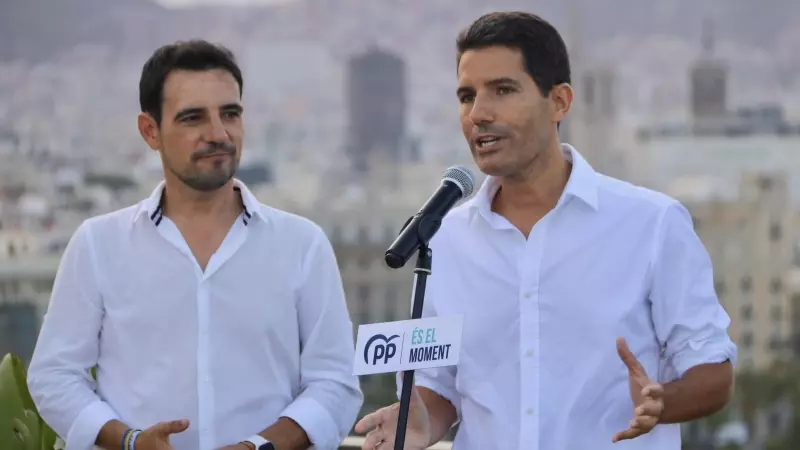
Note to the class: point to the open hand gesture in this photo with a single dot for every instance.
(647, 396)
(381, 426)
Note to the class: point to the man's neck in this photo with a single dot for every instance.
(183, 202)
(537, 188)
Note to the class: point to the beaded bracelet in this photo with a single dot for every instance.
(133, 438)
(129, 437)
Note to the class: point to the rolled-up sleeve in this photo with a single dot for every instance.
(441, 380)
(690, 323)
(330, 396)
(58, 377)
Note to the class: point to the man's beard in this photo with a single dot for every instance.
(208, 182)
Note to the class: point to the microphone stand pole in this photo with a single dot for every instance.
(421, 272)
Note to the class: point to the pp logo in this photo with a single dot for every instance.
(380, 350)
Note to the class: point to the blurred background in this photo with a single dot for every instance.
(352, 117)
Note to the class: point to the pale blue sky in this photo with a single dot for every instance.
(182, 3)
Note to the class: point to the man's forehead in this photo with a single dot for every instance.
(209, 85)
(483, 66)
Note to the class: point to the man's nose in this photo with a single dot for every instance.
(216, 131)
(482, 112)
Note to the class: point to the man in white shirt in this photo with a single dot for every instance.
(591, 320)
(213, 320)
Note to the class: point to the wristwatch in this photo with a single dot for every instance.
(259, 442)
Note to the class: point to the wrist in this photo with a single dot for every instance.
(129, 438)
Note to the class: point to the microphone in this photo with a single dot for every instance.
(457, 183)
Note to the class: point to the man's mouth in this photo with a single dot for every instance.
(487, 142)
(215, 155)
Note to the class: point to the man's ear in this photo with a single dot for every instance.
(149, 129)
(561, 95)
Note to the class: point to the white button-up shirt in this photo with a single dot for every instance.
(263, 332)
(539, 369)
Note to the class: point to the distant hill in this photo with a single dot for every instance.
(37, 29)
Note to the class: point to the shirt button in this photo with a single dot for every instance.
(528, 294)
(529, 411)
(529, 353)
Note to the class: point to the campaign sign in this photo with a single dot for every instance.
(408, 345)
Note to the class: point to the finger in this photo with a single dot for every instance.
(653, 390)
(370, 421)
(644, 423)
(633, 365)
(649, 408)
(373, 438)
(174, 426)
(630, 433)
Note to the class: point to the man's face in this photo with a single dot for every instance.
(505, 119)
(201, 132)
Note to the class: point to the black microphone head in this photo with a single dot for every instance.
(461, 177)
(394, 261)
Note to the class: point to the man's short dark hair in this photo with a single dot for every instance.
(195, 55)
(544, 52)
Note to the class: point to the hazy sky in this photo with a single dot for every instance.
(180, 3)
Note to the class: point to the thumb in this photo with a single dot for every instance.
(173, 426)
(370, 421)
(633, 365)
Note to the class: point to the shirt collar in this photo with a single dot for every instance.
(582, 184)
(152, 206)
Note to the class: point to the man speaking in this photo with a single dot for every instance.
(590, 317)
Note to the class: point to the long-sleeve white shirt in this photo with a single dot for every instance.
(263, 332)
(539, 368)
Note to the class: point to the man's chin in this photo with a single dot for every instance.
(209, 184)
(491, 167)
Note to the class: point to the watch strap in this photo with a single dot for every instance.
(259, 442)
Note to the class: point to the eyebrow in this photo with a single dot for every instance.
(190, 111)
(232, 107)
(491, 83)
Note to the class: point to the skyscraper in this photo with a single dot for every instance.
(709, 78)
(376, 104)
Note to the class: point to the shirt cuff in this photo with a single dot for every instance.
(316, 421)
(83, 432)
(703, 352)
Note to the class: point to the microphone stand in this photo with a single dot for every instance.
(421, 272)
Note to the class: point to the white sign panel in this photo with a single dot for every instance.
(408, 345)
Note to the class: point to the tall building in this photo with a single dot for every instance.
(597, 131)
(376, 104)
(709, 83)
(752, 243)
(674, 159)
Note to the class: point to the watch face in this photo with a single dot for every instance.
(267, 446)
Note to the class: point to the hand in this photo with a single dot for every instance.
(647, 396)
(381, 426)
(157, 436)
